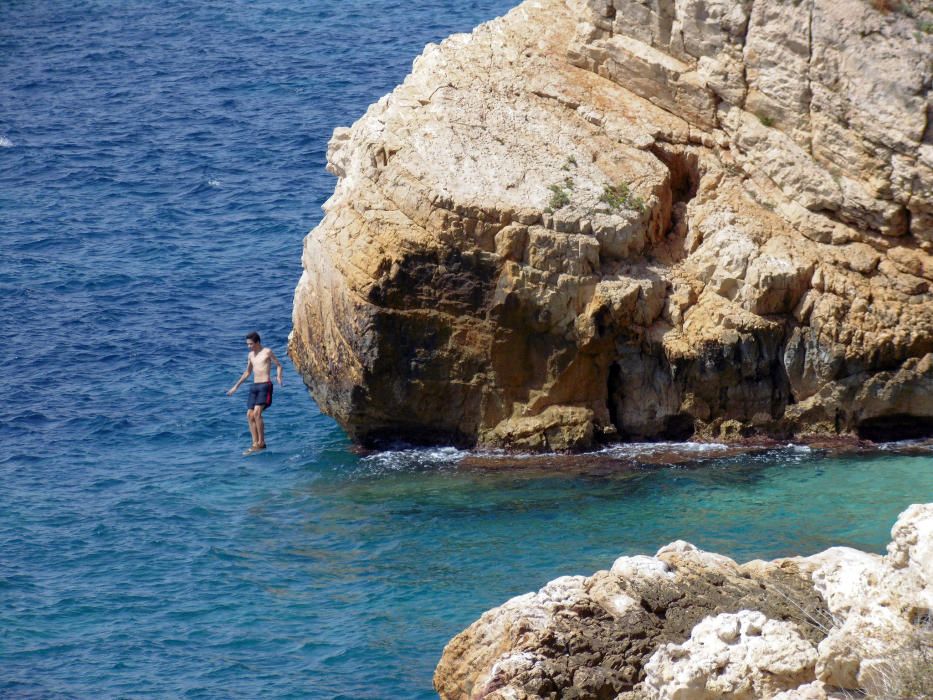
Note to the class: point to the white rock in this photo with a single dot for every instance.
(874, 600)
(641, 567)
(732, 655)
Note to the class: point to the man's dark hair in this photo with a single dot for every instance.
(254, 336)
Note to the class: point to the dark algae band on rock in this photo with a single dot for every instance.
(591, 221)
(693, 625)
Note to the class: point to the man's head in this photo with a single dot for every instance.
(252, 340)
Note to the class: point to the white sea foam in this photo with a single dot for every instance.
(437, 457)
(417, 458)
(214, 183)
(920, 444)
(630, 449)
(6, 143)
(414, 458)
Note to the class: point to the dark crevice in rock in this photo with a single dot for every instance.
(666, 14)
(781, 393)
(643, 398)
(899, 426)
(684, 180)
(809, 91)
(684, 168)
(679, 427)
(614, 388)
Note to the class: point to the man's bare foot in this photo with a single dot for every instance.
(259, 447)
(250, 451)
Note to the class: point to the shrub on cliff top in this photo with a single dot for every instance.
(621, 197)
(559, 197)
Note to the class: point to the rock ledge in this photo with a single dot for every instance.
(692, 625)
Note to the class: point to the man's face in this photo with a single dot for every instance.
(251, 344)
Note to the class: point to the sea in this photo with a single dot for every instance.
(160, 164)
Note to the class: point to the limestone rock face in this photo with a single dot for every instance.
(692, 625)
(732, 655)
(630, 219)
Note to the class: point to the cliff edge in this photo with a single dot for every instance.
(632, 219)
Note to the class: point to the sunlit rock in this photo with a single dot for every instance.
(593, 220)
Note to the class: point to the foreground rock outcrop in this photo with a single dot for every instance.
(626, 219)
(692, 625)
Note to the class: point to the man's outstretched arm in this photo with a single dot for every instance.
(243, 377)
(278, 367)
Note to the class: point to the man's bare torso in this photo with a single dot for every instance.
(261, 362)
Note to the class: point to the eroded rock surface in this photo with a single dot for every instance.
(629, 219)
(692, 625)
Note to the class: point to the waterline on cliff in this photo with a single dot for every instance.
(616, 457)
(414, 458)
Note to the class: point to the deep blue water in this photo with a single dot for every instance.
(160, 164)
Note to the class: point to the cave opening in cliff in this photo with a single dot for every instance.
(684, 168)
(900, 426)
(683, 180)
(679, 427)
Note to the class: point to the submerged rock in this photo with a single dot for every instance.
(692, 625)
(617, 219)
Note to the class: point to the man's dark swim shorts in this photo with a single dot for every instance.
(260, 394)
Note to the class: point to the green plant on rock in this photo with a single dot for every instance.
(560, 197)
(766, 120)
(621, 197)
(560, 191)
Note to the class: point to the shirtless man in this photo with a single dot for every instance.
(259, 362)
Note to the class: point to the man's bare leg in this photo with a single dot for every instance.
(260, 428)
(252, 427)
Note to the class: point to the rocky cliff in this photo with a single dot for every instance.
(632, 219)
(692, 625)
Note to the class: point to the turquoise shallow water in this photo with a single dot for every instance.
(322, 574)
(159, 166)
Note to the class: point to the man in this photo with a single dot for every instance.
(259, 362)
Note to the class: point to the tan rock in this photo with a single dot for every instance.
(776, 54)
(590, 220)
